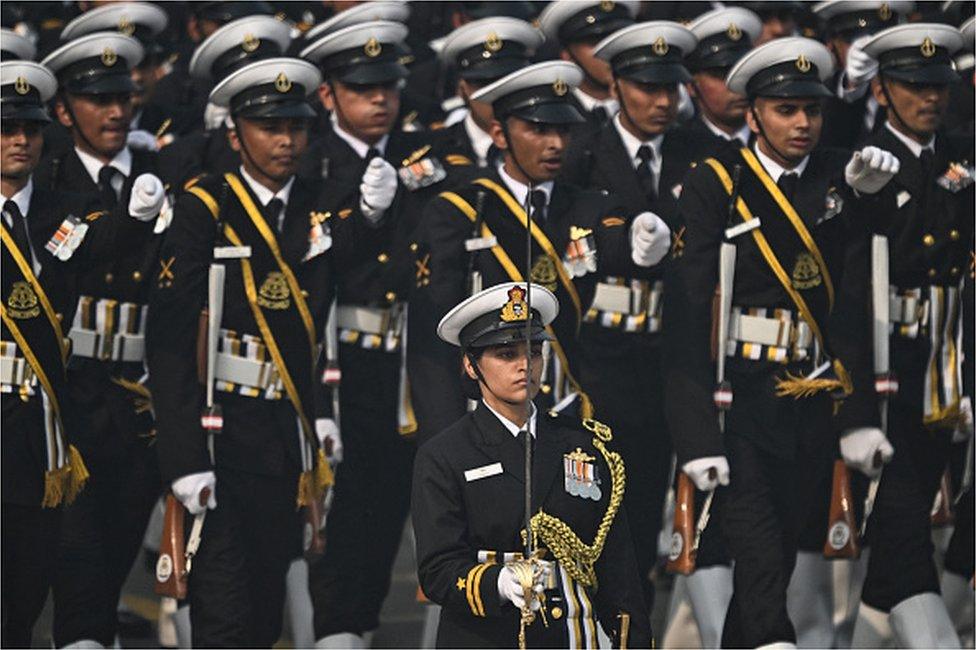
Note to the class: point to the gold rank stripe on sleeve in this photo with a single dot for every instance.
(28, 273)
(472, 586)
(516, 276)
(251, 291)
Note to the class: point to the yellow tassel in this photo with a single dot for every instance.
(846, 385)
(798, 387)
(76, 475)
(53, 488)
(586, 406)
(324, 479)
(304, 489)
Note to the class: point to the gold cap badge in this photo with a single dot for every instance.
(927, 48)
(126, 26)
(372, 47)
(803, 64)
(559, 87)
(493, 43)
(660, 46)
(250, 43)
(21, 86)
(884, 11)
(109, 57)
(733, 32)
(282, 83)
(607, 5)
(515, 309)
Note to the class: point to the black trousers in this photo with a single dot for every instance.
(372, 497)
(237, 581)
(763, 510)
(900, 529)
(30, 544)
(102, 530)
(622, 375)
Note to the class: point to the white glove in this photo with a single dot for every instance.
(650, 239)
(870, 169)
(214, 116)
(146, 199)
(188, 490)
(861, 68)
(326, 429)
(707, 473)
(141, 140)
(860, 448)
(377, 189)
(510, 589)
(964, 430)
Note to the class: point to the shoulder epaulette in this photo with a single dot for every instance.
(415, 156)
(193, 181)
(457, 159)
(97, 214)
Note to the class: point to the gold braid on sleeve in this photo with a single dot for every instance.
(575, 556)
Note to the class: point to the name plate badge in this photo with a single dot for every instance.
(231, 252)
(482, 472)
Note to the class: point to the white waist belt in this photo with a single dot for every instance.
(248, 372)
(773, 332)
(113, 347)
(627, 299)
(14, 371)
(369, 320)
(906, 309)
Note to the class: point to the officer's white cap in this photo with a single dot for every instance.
(35, 74)
(558, 12)
(718, 21)
(538, 74)
(479, 31)
(92, 45)
(396, 11)
(830, 8)
(968, 31)
(16, 45)
(235, 34)
(353, 36)
(781, 50)
(117, 16)
(267, 71)
(913, 35)
(646, 34)
(491, 301)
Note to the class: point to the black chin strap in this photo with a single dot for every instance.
(240, 138)
(762, 133)
(76, 124)
(484, 382)
(891, 107)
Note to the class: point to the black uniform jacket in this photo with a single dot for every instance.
(195, 154)
(468, 497)
(443, 266)
(24, 447)
(929, 227)
(259, 435)
(836, 220)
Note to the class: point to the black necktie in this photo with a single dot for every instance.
(926, 159)
(373, 152)
(645, 175)
(18, 228)
(272, 213)
(600, 115)
(520, 438)
(105, 176)
(787, 183)
(538, 201)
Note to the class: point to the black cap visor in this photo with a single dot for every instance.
(938, 75)
(548, 113)
(658, 73)
(24, 113)
(277, 110)
(100, 84)
(795, 88)
(370, 74)
(503, 334)
(492, 70)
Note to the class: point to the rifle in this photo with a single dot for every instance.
(681, 558)
(841, 541)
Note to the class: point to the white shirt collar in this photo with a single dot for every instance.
(22, 198)
(264, 194)
(360, 147)
(122, 162)
(913, 146)
(742, 134)
(520, 190)
(774, 169)
(513, 428)
(632, 144)
(589, 102)
(480, 141)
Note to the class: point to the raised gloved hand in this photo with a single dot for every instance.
(141, 140)
(650, 239)
(214, 116)
(866, 449)
(197, 492)
(377, 189)
(329, 438)
(861, 67)
(707, 473)
(510, 589)
(870, 169)
(146, 199)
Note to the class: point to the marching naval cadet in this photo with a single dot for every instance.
(476, 235)
(793, 225)
(724, 36)
(362, 76)
(47, 239)
(103, 529)
(469, 498)
(637, 160)
(230, 48)
(576, 28)
(280, 246)
(854, 113)
(929, 229)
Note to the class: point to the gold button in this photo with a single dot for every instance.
(390, 296)
(928, 240)
(954, 235)
(954, 271)
(304, 293)
(557, 613)
(383, 258)
(932, 273)
(546, 389)
(137, 276)
(109, 278)
(413, 246)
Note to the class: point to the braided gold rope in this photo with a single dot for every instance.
(575, 556)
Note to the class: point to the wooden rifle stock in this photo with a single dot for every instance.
(171, 575)
(681, 558)
(314, 539)
(842, 540)
(942, 508)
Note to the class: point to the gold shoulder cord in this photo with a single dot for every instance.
(575, 556)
